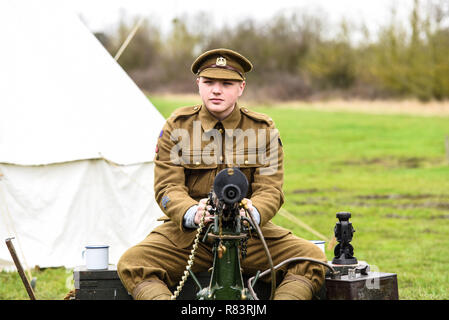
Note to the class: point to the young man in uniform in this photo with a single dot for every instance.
(211, 137)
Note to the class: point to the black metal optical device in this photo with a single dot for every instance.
(344, 251)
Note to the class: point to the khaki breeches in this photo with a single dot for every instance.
(157, 262)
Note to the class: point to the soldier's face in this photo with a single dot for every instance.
(219, 96)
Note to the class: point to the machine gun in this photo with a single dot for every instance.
(229, 231)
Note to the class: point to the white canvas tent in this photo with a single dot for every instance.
(77, 141)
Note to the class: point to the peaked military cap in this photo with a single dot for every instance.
(221, 64)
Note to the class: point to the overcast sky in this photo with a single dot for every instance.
(102, 14)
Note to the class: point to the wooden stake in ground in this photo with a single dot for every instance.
(20, 269)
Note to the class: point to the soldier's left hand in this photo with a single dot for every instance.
(250, 207)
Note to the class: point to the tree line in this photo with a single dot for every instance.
(298, 55)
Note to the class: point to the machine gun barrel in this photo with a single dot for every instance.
(230, 186)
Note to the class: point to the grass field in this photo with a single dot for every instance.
(389, 171)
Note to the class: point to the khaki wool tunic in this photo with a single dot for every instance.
(192, 149)
(178, 187)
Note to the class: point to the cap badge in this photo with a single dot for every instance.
(221, 62)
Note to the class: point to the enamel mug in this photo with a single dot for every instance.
(96, 257)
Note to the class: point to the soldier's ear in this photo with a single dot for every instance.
(242, 87)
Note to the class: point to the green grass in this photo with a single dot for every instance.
(51, 284)
(389, 171)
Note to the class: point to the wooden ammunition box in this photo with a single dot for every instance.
(373, 286)
(99, 284)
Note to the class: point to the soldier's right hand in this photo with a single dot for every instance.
(203, 207)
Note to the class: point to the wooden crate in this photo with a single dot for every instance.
(99, 284)
(373, 286)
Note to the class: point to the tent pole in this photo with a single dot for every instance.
(128, 39)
